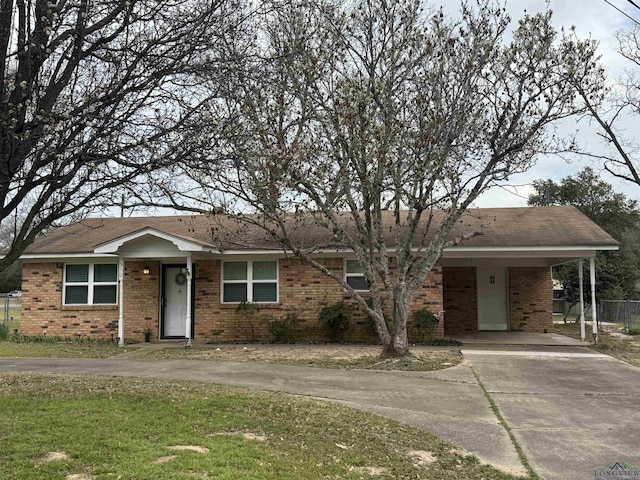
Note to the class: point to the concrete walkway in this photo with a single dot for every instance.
(571, 410)
(519, 338)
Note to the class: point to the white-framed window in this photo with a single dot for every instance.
(90, 284)
(354, 275)
(250, 281)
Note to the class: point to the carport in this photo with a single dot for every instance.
(508, 289)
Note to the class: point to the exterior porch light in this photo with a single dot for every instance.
(146, 271)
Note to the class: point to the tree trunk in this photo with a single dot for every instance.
(398, 347)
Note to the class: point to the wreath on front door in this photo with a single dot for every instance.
(181, 278)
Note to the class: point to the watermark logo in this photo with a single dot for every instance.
(618, 470)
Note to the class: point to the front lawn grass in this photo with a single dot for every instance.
(59, 349)
(332, 356)
(56, 426)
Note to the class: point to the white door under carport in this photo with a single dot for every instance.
(492, 298)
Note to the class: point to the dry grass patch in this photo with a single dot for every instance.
(324, 356)
(254, 437)
(245, 435)
(421, 457)
(189, 448)
(620, 348)
(54, 457)
(371, 471)
(165, 459)
(610, 341)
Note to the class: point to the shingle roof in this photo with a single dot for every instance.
(500, 227)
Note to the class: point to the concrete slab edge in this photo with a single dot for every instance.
(506, 353)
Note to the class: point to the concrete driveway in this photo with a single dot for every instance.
(571, 411)
(572, 414)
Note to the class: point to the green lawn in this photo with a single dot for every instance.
(52, 347)
(69, 349)
(123, 428)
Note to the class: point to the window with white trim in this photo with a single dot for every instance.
(90, 284)
(250, 281)
(354, 275)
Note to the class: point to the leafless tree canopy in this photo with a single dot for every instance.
(614, 113)
(95, 93)
(375, 108)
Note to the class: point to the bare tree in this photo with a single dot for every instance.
(94, 94)
(615, 113)
(380, 123)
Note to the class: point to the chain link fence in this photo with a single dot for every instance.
(624, 312)
(9, 307)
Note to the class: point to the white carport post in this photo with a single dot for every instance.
(581, 288)
(188, 319)
(594, 316)
(121, 302)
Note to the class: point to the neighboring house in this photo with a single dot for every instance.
(558, 296)
(121, 276)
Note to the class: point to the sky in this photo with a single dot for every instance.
(600, 21)
(594, 19)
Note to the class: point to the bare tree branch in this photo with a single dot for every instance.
(381, 123)
(97, 94)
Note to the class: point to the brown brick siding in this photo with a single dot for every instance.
(460, 300)
(42, 309)
(530, 299)
(429, 297)
(302, 290)
(141, 299)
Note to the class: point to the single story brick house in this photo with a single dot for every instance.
(179, 278)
